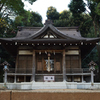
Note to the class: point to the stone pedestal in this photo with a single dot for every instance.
(92, 69)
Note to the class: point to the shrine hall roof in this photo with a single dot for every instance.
(34, 34)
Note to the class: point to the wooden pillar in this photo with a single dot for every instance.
(15, 79)
(79, 58)
(33, 68)
(16, 67)
(24, 78)
(72, 78)
(64, 66)
(82, 78)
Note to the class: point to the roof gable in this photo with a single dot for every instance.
(49, 34)
(48, 31)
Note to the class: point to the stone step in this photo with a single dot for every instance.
(49, 85)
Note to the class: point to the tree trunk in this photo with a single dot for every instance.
(95, 28)
(98, 28)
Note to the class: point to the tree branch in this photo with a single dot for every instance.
(1, 6)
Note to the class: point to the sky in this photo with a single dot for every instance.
(41, 6)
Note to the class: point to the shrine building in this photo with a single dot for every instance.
(48, 54)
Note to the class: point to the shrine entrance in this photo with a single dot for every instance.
(49, 62)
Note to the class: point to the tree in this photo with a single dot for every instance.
(64, 19)
(65, 14)
(86, 26)
(36, 19)
(77, 8)
(98, 9)
(92, 6)
(7, 26)
(9, 6)
(29, 19)
(52, 13)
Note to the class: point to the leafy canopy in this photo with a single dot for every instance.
(77, 7)
(52, 13)
(16, 6)
(28, 19)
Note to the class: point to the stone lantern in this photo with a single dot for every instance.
(6, 65)
(92, 69)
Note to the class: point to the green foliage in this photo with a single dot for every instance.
(98, 9)
(36, 19)
(93, 55)
(77, 7)
(7, 26)
(84, 22)
(16, 6)
(86, 26)
(52, 13)
(29, 19)
(5, 56)
(65, 14)
(9, 6)
(64, 19)
(61, 23)
(93, 6)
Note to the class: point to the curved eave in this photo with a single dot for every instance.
(94, 40)
(49, 40)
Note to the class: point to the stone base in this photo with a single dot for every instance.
(51, 85)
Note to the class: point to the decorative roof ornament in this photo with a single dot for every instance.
(48, 21)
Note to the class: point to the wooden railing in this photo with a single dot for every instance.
(20, 70)
(29, 70)
(77, 70)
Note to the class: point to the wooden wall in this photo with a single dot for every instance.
(25, 61)
(73, 57)
(25, 57)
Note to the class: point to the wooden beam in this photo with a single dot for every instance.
(72, 52)
(25, 52)
(49, 51)
(16, 66)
